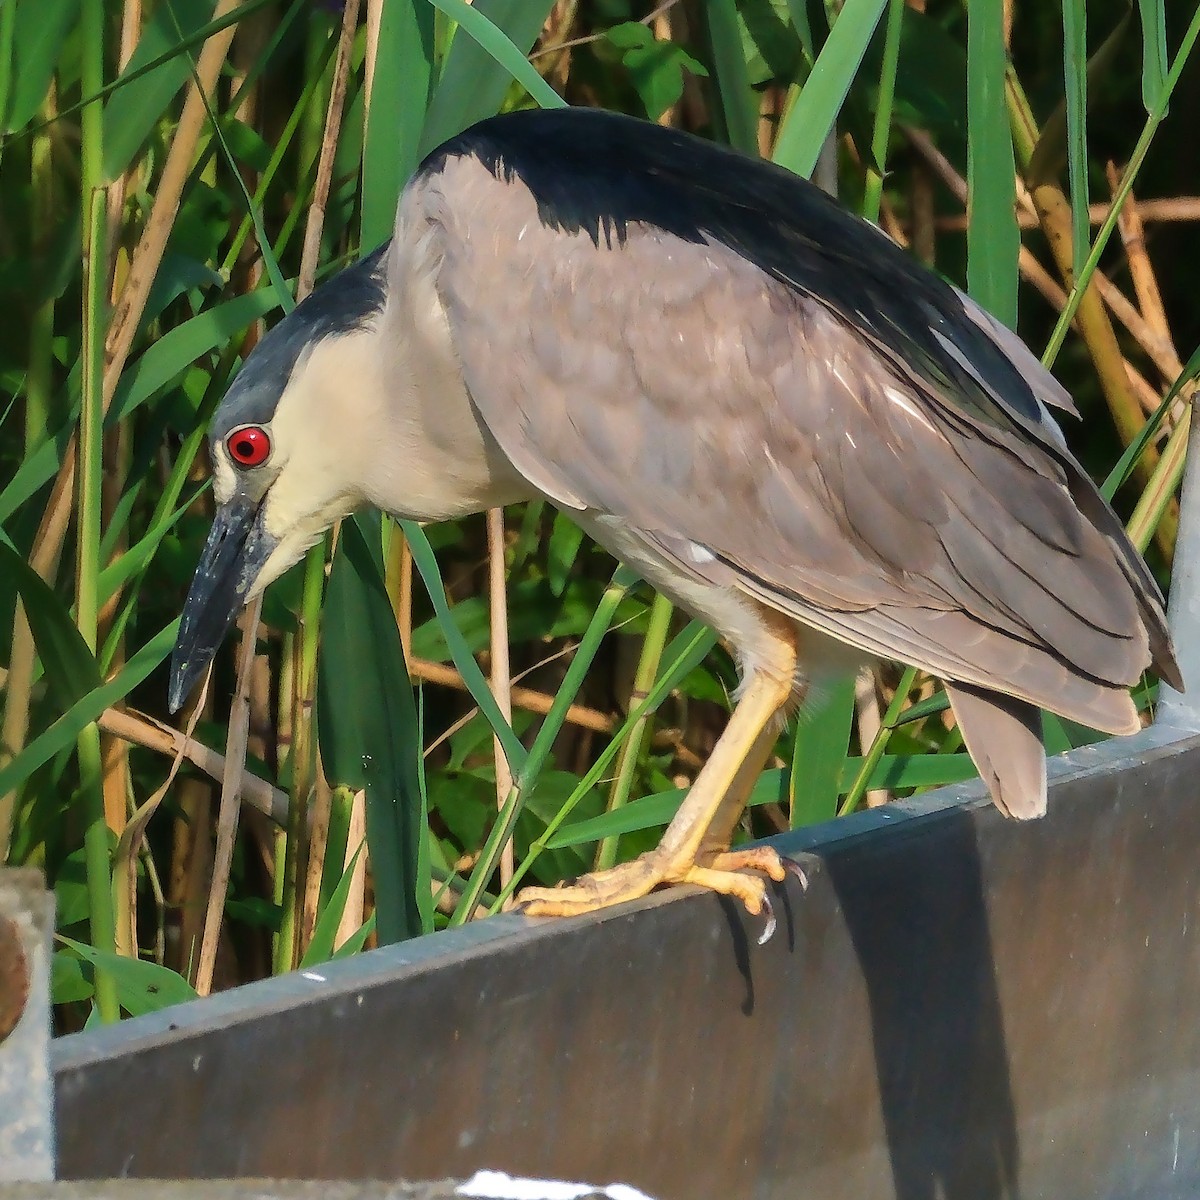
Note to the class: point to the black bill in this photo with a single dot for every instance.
(238, 545)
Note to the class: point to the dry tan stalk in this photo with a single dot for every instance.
(354, 913)
(133, 831)
(320, 811)
(145, 731)
(870, 721)
(227, 814)
(501, 680)
(167, 195)
(191, 869)
(333, 123)
(1141, 270)
(23, 655)
(1097, 332)
(1157, 346)
(373, 19)
(49, 539)
(523, 698)
(1166, 208)
(922, 206)
(310, 856)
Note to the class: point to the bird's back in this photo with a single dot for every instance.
(869, 384)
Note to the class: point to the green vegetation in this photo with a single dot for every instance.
(174, 173)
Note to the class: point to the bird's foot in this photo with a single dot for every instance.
(723, 873)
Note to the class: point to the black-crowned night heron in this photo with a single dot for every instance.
(752, 397)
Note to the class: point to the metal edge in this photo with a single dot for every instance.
(440, 950)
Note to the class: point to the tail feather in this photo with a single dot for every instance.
(1004, 738)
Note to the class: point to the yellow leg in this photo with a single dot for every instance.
(695, 847)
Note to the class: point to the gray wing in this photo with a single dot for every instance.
(680, 388)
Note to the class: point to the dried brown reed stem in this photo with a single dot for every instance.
(48, 541)
(1164, 209)
(228, 809)
(528, 699)
(501, 680)
(145, 731)
(309, 856)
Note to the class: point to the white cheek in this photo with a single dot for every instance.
(224, 479)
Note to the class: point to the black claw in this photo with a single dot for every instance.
(794, 868)
(769, 928)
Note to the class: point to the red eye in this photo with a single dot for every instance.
(249, 447)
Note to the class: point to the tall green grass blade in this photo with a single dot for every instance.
(870, 761)
(739, 103)
(69, 663)
(1075, 78)
(1154, 52)
(809, 121)
(39, 34)
(400, 91)
(320, 947)
(162, 362)
(1125, 464)
(818, 755)
(131, 113)
(1122, 193)
(141, 987)
(653, 645)
(525, 779)
(480, 68)
(67, 728)
(686, 651)
(993, 237)
(873, 192)
(367, 721)
(475, 22)
(468, 668)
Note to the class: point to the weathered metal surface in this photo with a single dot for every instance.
(960, 1006)
(477, 1188)
(1182, 709)
(26, 1093)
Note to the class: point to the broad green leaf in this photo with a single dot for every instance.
(142, 986)
(810, 119)
(133, 111)
(320, 948)
(739, 103)
(162, 362)
(474, 19)
(400, 93)
(818, 753)
(481, 65)
(655, 67)
(63, 732)
(39, 32)
(565, 539)
(68, 985)
(893, 771)
(367, 722)
(1154, 50)
(69, 665)
(993, 237)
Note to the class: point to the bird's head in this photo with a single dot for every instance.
(285, 451)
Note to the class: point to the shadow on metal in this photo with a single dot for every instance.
(959, 1007)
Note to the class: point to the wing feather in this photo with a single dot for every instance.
(681, 388)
